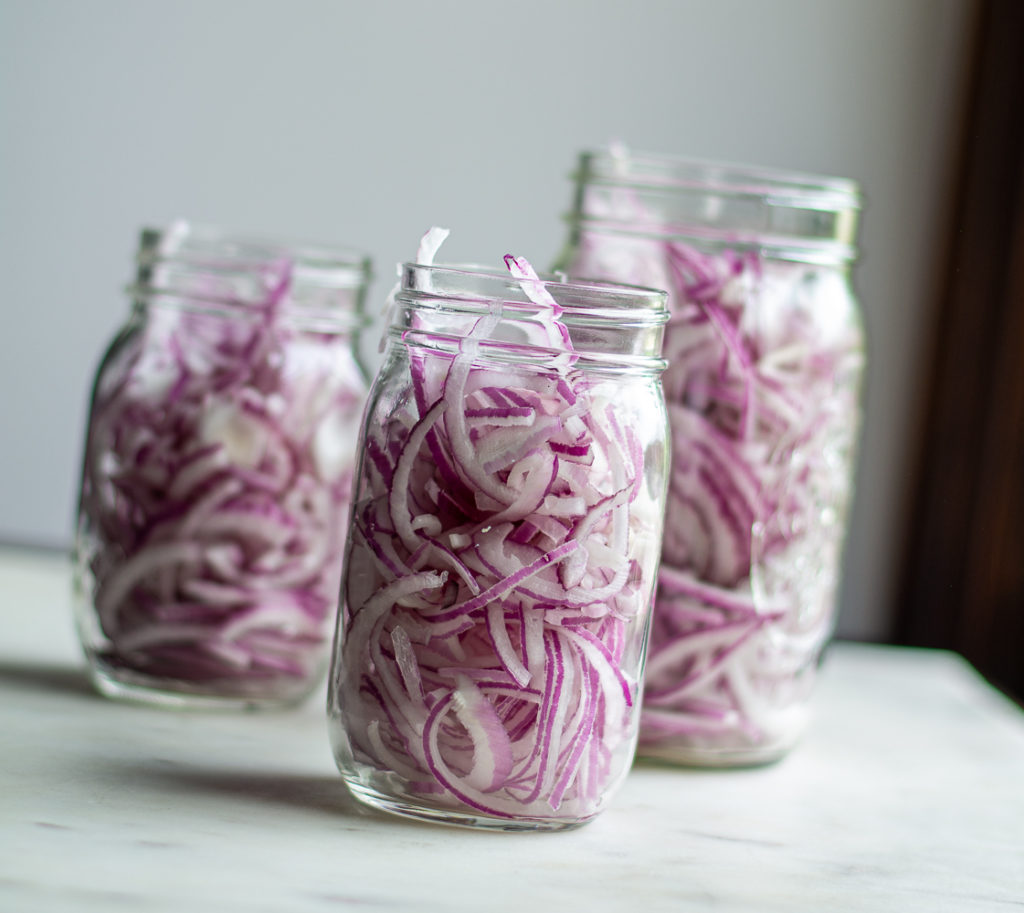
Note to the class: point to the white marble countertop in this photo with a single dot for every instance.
(907, 795)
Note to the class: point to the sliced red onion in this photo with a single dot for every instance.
(216, 486)
(505, 688)
(762, 387)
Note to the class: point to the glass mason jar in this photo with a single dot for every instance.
(217, 471)
(765, 355)
(503, 549)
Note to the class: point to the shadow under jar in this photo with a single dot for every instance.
(765, 354)
(217, 472)
(503, 549)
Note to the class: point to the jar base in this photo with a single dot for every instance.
(452, 817)
(132, 687)
(683, 756)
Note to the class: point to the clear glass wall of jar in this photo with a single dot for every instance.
(503, 549)
(766, 353)
(217, 471)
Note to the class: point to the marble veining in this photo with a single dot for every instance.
(907, 795)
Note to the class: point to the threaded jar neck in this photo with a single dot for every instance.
(787, 215)
(605, 326)
(203, 268)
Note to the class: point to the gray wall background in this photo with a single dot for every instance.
(366, 122)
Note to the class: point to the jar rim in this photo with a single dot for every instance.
(783, 214)
(664, 171)
(202, 244)
(206, 268)
(605, 326)
(580, 297)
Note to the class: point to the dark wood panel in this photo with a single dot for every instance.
(963, 577)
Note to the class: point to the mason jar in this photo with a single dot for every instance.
(503, 548)
(765, 355)
(217, 471)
